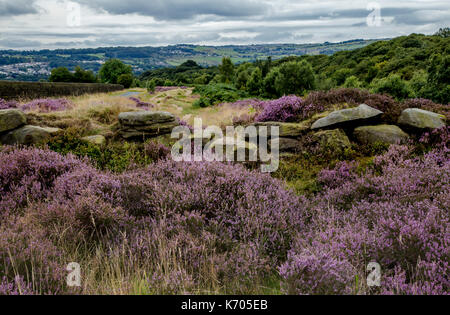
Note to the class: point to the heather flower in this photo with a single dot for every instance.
(8, 104)
(285, 109)
(48, 105)
(15, 287)
(141, 104)
(395, 213)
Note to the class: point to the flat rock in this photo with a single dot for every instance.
(144, 118)
(11, 119)
(285, 144)
(148, 131)
(97, 140)
(289, 130)
(421, 119)
(28, 135)
(348, 116)
(382, 133)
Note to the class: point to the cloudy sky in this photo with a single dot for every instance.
(39, 24)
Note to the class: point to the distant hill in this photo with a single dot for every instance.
(36, 65)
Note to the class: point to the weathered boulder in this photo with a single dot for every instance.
(335, 141)
(97, 140)
(145, 118)
(11, 119)
(421, 119)
(28, 135)
(381, 133)
(285, 144)
(289, 130)
(347, 117)
(146, 124)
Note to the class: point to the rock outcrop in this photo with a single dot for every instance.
(28, 135)
(11, 119)
(146, 124)
(414, 118)
(348, 117)
(389, 134)
(285, 144)
(335, 141)
(287, 130)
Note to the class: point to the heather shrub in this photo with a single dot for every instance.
(47, 105)
(15, 287)
(221, 193)
(28, 259)
(8, 104)
(156, 151)
(179, 221)
(394, 213)
(141, 104)
(29, 174)
(285, 109)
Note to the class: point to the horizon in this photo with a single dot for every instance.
(80, 24)
(229, 45)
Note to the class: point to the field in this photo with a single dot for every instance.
(138, 223)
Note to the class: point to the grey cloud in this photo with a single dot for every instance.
(17, 7)
(180, 9)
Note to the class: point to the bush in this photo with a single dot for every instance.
(214, 94)
(392, 85)
(126, 80)
(395, 214)
(200, 213)
(8, 104)
(47, 105)
(285, 109)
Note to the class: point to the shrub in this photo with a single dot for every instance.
(47, 105)
(126, 80)
(141, 104)
(207, 215)
(29, 174)
(8, 104)
(395, 214)
(392, 85)
(213, 94)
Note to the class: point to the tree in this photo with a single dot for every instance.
(269, 89)
(254, 84)
(151, 85)
(295, 78)
(61, 74)
(112, 70)
(126, 80)
(84, 76)
(226, 70)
